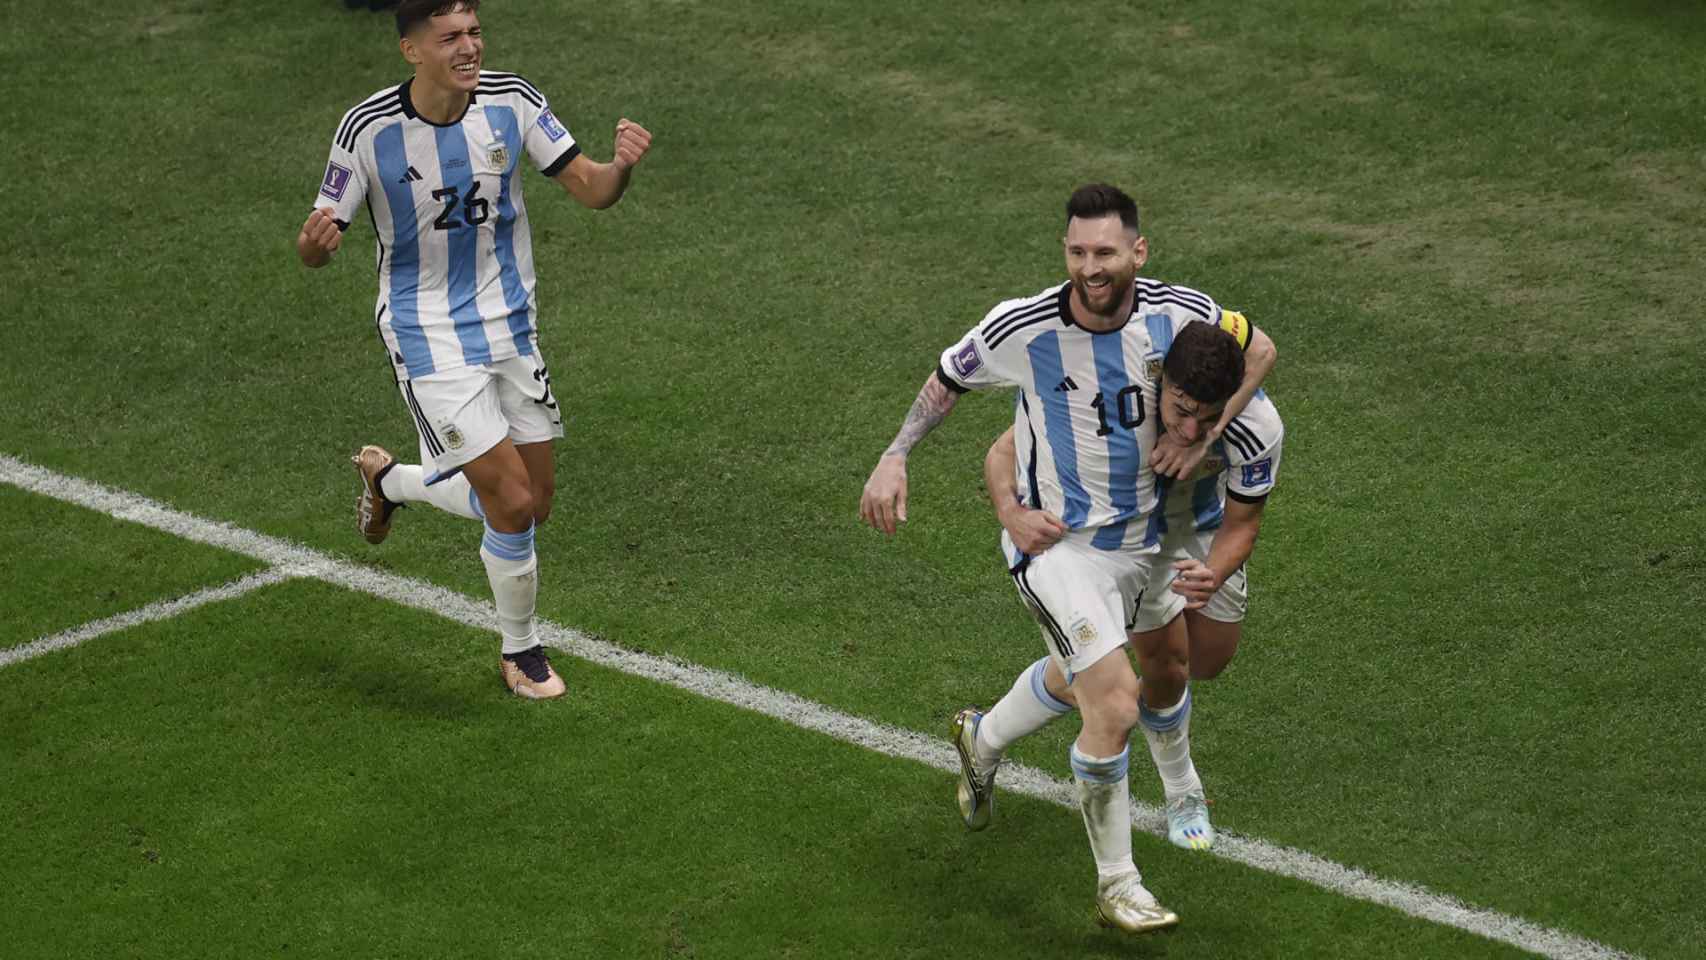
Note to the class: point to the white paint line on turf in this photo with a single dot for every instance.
(932, 751)
(159, 610)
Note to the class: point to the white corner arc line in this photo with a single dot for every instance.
(158, 610)
(738, 691)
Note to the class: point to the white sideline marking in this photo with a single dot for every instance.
(159, 610)
(933, 751)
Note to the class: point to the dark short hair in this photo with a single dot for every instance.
(1205, 362)
(413, 13)
(1099, 200)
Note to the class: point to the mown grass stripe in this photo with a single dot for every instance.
(932, 750)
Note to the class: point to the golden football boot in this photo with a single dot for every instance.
(372, 510)
(976, 788)
(528, 674)
(1123, 903)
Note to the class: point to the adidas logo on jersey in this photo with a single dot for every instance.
(1065, 385)
(413, 176)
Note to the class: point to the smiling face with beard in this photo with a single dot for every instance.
(1103, 256)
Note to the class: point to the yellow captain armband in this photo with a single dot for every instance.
(1234, 323)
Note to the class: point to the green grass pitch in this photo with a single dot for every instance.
(1473, 659)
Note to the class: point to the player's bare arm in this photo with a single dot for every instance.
(1033, 531)
(599, 185)
(883, 504)
(1174, 459)
(1232, 546)
(319, 238)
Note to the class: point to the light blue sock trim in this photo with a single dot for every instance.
(509, 546)
(1047, 699)
(474, 503)
(1163, 724)
(1100, 770)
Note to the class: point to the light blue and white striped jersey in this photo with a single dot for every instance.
(1085, 419)
(1243, 463)
(456, 283)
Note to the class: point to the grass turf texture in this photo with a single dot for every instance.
(386, 803)
(64, 566)
(1470, 228)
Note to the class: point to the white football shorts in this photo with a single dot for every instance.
(1084, 599)
(1161, 605)
(462, 413)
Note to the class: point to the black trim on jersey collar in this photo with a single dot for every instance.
(409, 106)
(1065, 307)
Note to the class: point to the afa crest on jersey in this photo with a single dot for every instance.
(497, 153)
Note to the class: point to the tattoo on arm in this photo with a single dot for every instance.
(933, 403)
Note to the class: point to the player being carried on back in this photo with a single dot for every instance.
(1080, 355)
(1207, 529)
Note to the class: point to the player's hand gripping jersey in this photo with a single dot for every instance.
(1085, 420)
(456, 282)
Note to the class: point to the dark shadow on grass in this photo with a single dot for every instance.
(980, 875)
(398, 687)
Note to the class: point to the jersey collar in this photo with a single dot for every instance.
(409, 106)
(1063, 303)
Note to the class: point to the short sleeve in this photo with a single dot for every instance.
(549, 142)
(972, 364)
(1253, 471)
(343, 186)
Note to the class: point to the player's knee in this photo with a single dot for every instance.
(514, 506)
(1112, 711)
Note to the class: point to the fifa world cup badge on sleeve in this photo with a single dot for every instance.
(553, 130)
(1258, 473)
(337, 179)
(966, 360)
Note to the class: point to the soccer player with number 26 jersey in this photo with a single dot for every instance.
(437, 163)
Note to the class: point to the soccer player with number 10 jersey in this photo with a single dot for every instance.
(1086, 358)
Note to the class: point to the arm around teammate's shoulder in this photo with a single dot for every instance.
(599, 185)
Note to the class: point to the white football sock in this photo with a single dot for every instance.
(1104, 797)
(406, 483)
(1169, 734)
(1026, 708)
(512, 570)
